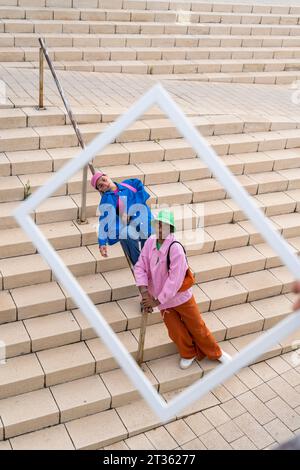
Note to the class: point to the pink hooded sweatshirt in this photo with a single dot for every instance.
(151, 271)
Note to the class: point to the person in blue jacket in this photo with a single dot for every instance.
(124, 215)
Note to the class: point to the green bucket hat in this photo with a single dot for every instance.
(165, 216)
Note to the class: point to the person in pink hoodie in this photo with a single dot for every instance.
(161, 287)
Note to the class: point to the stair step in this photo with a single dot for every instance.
(212, 40)
(36, 330)
(199, 13)
(69, 234)
(136, 26)
(31, 269)
(15, 273)
(87, 401)
(191, 55)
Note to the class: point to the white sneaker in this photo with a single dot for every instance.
(225, 358)
(185, 363)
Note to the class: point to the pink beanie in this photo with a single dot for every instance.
(95, 178)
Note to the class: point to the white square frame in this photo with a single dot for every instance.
(165, 411)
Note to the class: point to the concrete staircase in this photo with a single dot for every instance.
(58, 371)
(183, 40)
(58, 374)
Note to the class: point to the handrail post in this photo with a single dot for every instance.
(82, 218)
(41, 80)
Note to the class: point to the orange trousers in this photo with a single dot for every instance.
(187, 329)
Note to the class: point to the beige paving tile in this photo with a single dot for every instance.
(254, 235)
(198, 423)
(292, 377)
(16, 339)
(195, 444)
(28, 412)
(273, 309)
(254, 431)
(243, 341)
(263, 370)
(24, 270)
(158, 173)
(5, 445)
(59, 209)
(256, 408)
(240, 320)
(216, 213)
(278, 364)
(205, 190)
(180, 431)
(120, 387)
(69, 362)
(137, 417)
(121, 283)
(216, 416)
(157, 342)
(214, 441)
(243, 443)
(285, 413)
(110, 311)
(191, 168)
(205, 402)
(260, 284)
(161, 438)
(264, 392)
(276, 203)
(139, 442)
(81, 397)
(115, 259)
(20, 375)
(243, 260)
(37, 161)
(285, 391)
(235, 386)
(33, 301)
(172, 193)
(8, 309)
(224, 292)
(222, 394)
(103, 357)
(279, 431)
(52, 331)
(288, 224)
(98, 430)
(233, 408)
(285, 276)
(272, 258)
(216, 327)
(121, 445)
(230, 431)
(208, 267)
(170, 376)
(54, 438)
(228, 236)
(95, 286)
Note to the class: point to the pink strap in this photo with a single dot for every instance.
(129, 187)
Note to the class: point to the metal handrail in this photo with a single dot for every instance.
(44, 53)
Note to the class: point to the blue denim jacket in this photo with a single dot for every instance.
(111, 225)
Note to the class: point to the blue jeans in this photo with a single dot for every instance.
(132, 248)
